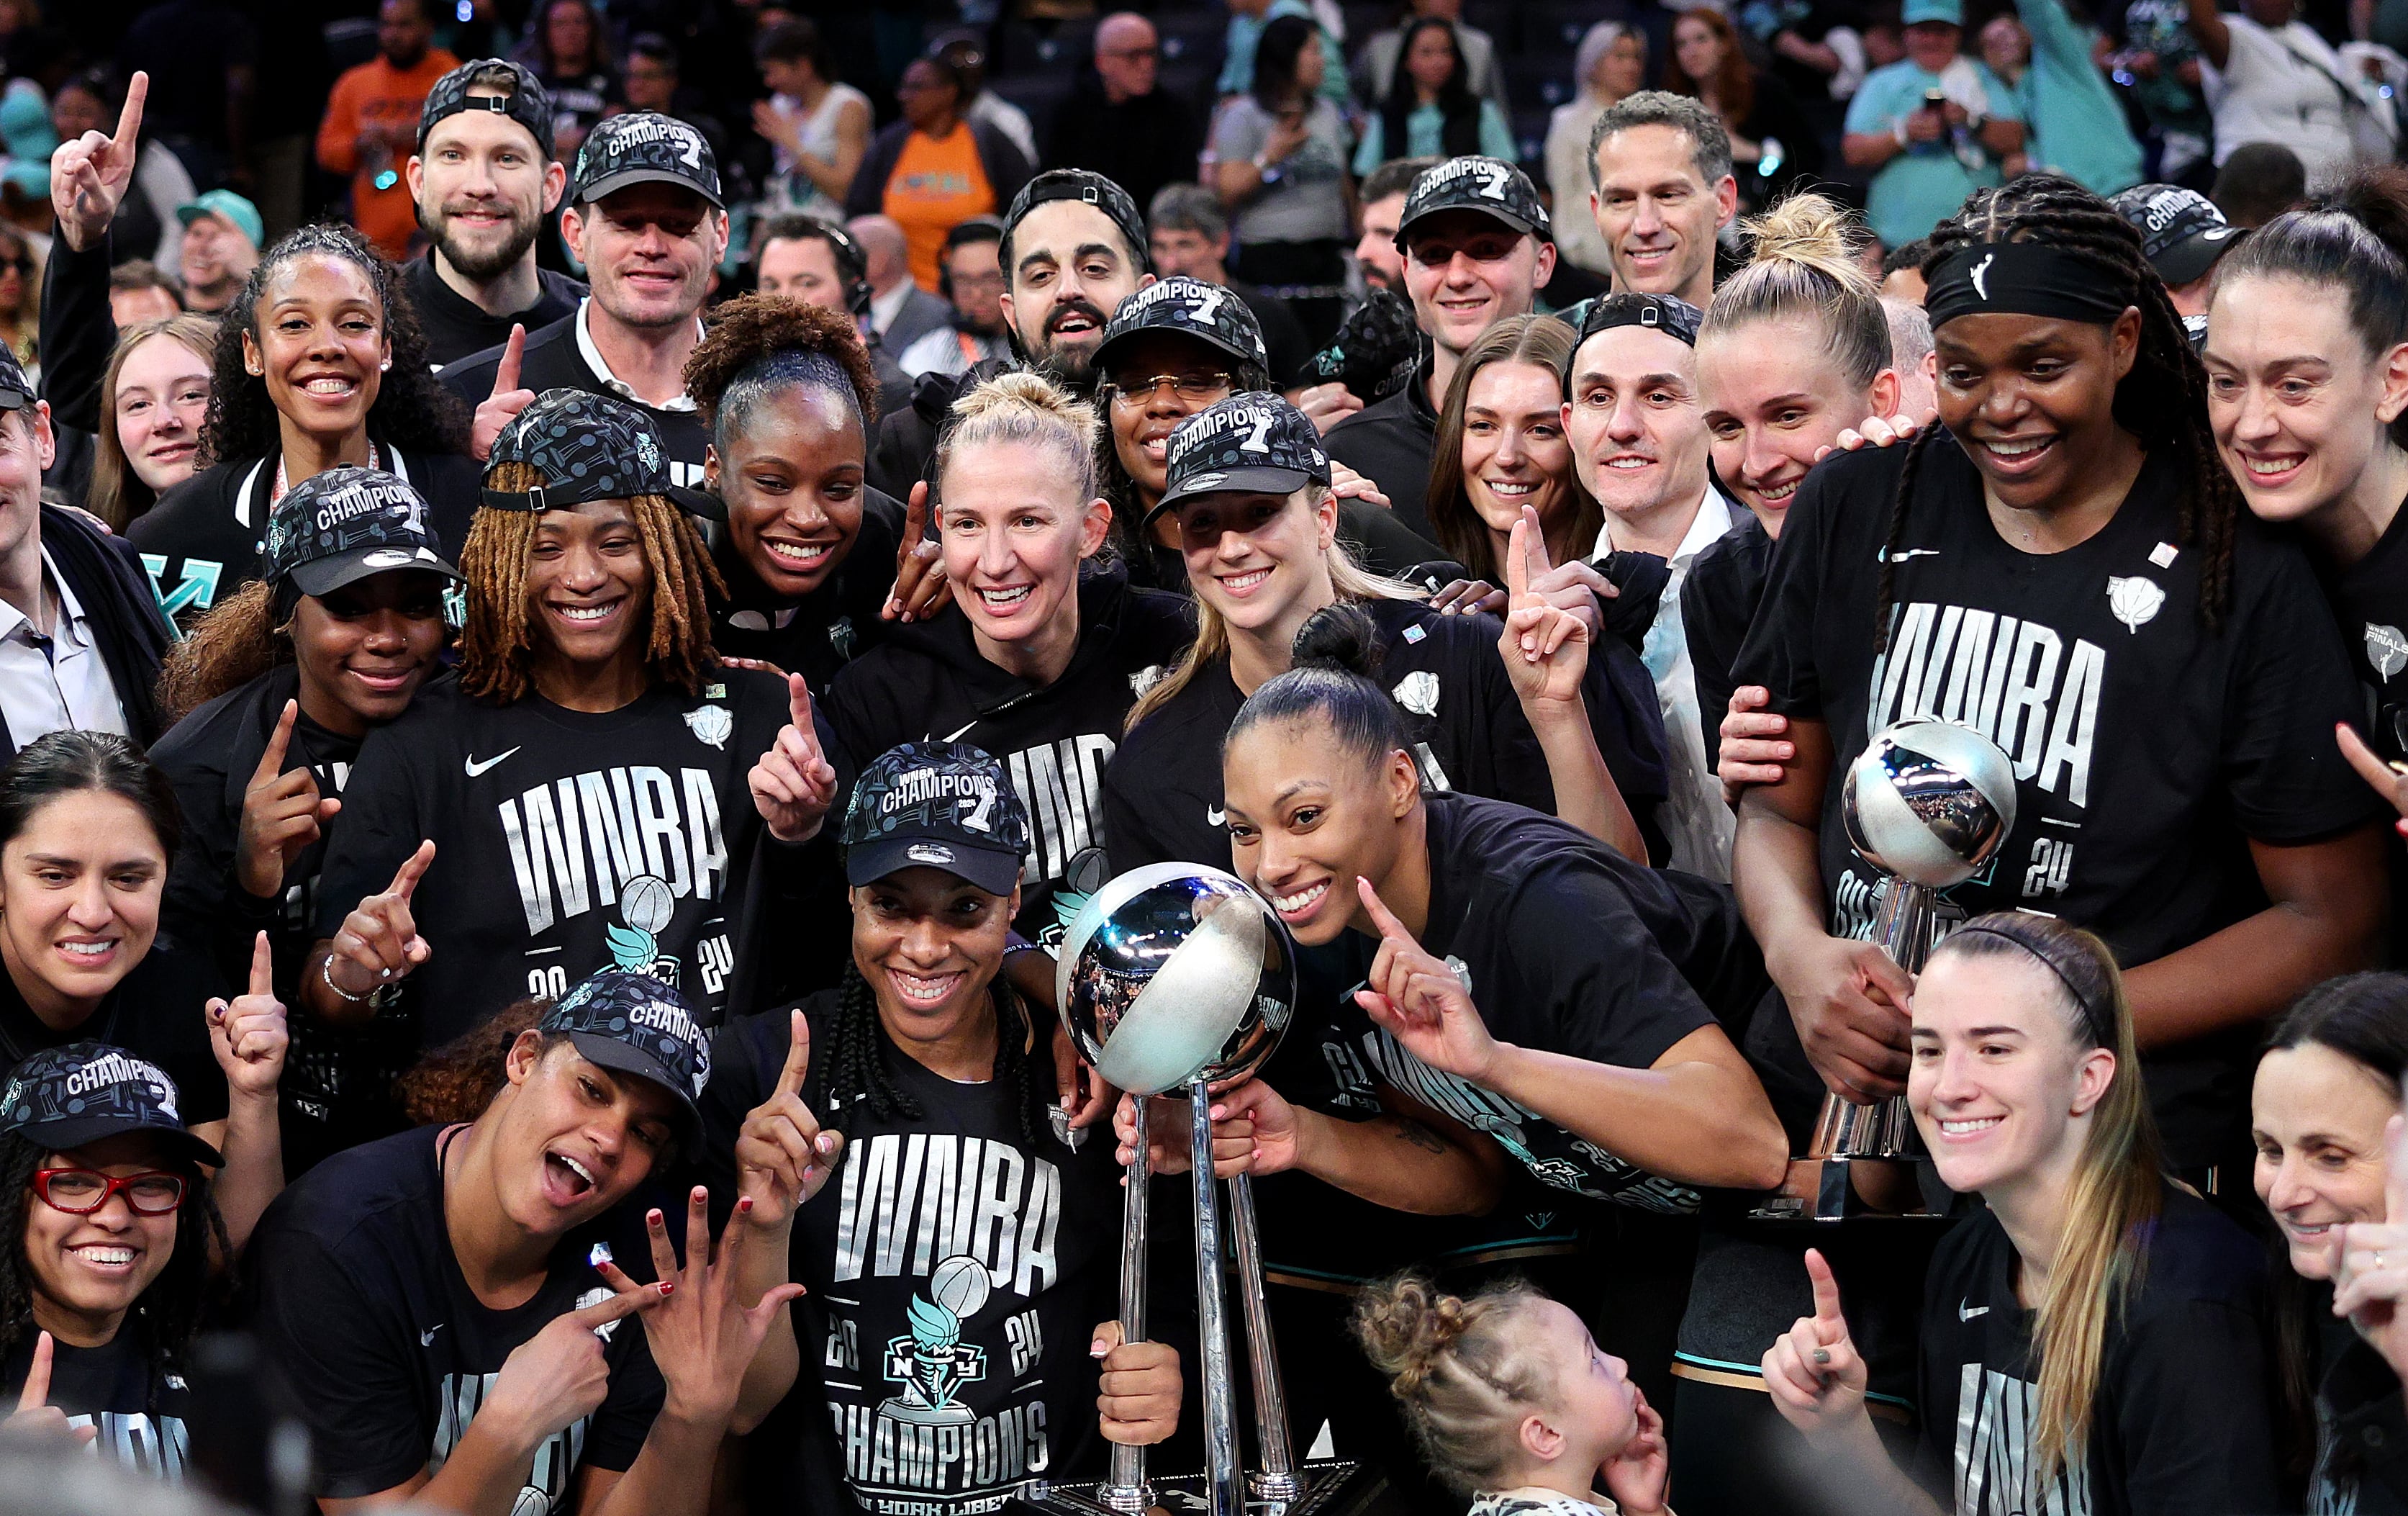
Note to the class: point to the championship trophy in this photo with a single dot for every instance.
(1927, 804)
(1177, 977)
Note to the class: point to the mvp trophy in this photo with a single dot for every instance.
(1178, 977)
(1927, 804)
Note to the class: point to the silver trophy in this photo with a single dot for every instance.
(1179, 978)
(1927, 804)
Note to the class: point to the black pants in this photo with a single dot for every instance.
(1737, 1457)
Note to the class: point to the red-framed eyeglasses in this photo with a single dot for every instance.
(82, 1192)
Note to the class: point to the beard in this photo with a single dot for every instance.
(1072, 367)
(482, 263)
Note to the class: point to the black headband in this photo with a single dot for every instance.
(2094, 1017)
(2024, 279)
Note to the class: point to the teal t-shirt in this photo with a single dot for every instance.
(1425, 136)
(2077, 125)
(1924, 185)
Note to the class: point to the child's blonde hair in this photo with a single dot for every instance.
(1460, 1371)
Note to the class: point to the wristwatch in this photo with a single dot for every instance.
(1268, 169)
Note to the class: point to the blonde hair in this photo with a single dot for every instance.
(116, 489)
(1458, 1371)
(1027, 408)
(1805, 267)
(1351, 579)
(2117, 1192)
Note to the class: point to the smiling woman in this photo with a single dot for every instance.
(153, 399)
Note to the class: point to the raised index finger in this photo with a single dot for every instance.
(1827, 1290)
(1535, 548)
(506, 373)
(798, 703)
(413, 868)
(1517, 567)
(1382, 916)
(271, 762)
(129, 120)
(798, 1055)
(36, 1392)
(915, 516)
(263, 966)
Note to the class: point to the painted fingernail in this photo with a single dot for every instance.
(653, 1217)
(1099, 1348)
(666, 1287)
(1821, 1356)
(744, 1207)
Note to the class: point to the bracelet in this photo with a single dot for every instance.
(326, 972)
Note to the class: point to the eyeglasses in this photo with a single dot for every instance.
(1196, 389)
(82, 1192)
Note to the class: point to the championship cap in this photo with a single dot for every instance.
(2182, 232)
(340, 526)
(1495, 188)
(16, 390)
(238, 213)
(643, 147)
(1211, 313)
(1091, 188)
(1246, 445)
(526, 102)
(639, 1025)
(66, 1098)
(588, 447)
(937, 805)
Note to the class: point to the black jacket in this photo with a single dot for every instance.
(456, 326)
(554, 361)
(1390, 444)
(828, 628)
(1006, 166)
(1140, 144)
(907, 439)
(1719, 600)
(78, 332)
(207, 531)
(122, 613)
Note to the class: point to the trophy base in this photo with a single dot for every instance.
(1329, 1488)
(1841, 1187)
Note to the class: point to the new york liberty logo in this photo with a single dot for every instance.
(930, 1360)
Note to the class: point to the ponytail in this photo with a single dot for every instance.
(1805, 267)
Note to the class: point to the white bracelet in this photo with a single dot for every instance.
(326, 972)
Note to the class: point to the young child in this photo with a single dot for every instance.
(1511, 1401)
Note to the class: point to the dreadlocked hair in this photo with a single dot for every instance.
(456, 1081)
(2162, 401)
(497, 646)
(852, 1072)
(1461, 1373)
(411, 410)
(168, 1313)
(240, 638)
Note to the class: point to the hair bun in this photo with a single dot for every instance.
(1341, 637)
(2377, 199)
(1406, 1324)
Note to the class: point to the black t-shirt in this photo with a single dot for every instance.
(359, 1303)
(2370, 597)
(456, 326)
(826, 630)
(552, 360)
(552, 828)
(1718, 601)
(140, 1405)
(930, 682)
(2180, 1422)
(201, 542)
(957, 1274)
(1162, 792)
(2147, 748)
(158, 1012)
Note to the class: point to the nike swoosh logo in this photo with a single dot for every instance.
(1905, 553)
(476, 768)
(426, 1338)
(1216, 817)
(1966, 1313)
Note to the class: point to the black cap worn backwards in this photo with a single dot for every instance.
(339, 526)
(1491, 186)
(1085, 185)
(65, 1098)
(1667, 313)
(2182, 231)
(643, 148)
(1208, 312)
(1247, 444)
(639, 1025)
(527, 102)
(16, 390)
(935, 805)
(588, 447)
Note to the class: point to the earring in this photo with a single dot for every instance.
(385, 366)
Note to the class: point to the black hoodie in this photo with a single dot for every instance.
(930, 683)
(907, 438)
(819, 634)
(1390, 442)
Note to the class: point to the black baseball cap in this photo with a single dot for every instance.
(1495, 188)
(1211, 313)
(1090, 188)
(937, 805)
(1247, 444)
(588, 447)
(2182, 231)
(639, 1025)
(643, 147)
(16, 390)
(66, 1098)
(527, 102)
(342, 526)
(1667, 313)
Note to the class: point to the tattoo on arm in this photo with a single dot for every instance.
(1421, 1136)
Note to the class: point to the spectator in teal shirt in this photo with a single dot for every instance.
(2075, 123)
(1430, 111)
(1247, 19)
(1934, 127)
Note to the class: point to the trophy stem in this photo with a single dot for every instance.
(1903, 925)
(1221, 1476)
(1277, 1479)
(1126, 1490)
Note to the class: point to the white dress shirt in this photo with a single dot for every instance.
(65, 685)
(612, 382)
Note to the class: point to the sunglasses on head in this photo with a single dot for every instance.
(82, 1192)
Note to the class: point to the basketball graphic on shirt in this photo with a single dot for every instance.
(647, 903)
(960, 1285)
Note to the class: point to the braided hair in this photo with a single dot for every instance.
(2162, 401)
(1459, 1371)
(168, 1313)
(496, 644)
(852, 1072)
